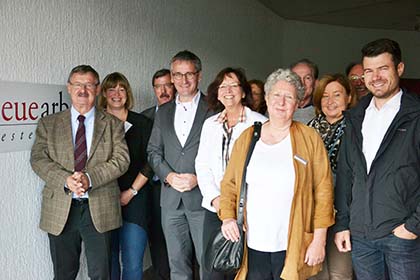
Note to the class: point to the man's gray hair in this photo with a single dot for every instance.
(186, 55)
(288, 76)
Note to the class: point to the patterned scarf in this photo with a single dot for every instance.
(227, 134)
(331, 135)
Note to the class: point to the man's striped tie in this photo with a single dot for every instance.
(80, 147)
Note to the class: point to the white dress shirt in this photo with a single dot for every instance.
(89, 124)
(184, 117)
(375, 125)
(209, 165)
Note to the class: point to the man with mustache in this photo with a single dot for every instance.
(377, 194)
(164, 91)
(79, 153)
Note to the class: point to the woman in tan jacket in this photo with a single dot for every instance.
(289, 203)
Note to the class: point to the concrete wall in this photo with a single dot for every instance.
(40, 41)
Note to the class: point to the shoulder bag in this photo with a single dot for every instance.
(224, 255)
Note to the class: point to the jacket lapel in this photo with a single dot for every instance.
(300, 152)
(65, 139)
(98, 130)
(171, 123)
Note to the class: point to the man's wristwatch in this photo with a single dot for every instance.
(133, 191)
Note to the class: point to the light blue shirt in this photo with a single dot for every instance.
(89, 125)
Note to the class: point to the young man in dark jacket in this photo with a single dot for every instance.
(377, 195)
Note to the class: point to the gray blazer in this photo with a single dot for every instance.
(167, 155)
(52, 159)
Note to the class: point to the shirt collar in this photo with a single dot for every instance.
(394, 103)
(223, 116)
(191, 104)
(89, 115)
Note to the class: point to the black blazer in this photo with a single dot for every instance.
(137, 137)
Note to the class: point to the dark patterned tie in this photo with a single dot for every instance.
(80, 147)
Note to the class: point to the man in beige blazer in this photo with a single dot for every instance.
(80, 203)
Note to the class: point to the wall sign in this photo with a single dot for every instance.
(21, 106)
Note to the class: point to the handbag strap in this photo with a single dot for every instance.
(242, 195)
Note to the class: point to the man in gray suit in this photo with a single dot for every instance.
(80, 153)
(172, 150)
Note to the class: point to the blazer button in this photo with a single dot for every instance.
(182, 153)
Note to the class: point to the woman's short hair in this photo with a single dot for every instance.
(111, 81)
(322, 84)
(213, 89)
(288, 76)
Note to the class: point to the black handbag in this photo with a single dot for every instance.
(224, 255)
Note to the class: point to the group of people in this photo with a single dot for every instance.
(333, 183)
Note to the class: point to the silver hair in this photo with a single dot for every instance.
(288, 76)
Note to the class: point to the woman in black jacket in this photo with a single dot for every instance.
(131, 238)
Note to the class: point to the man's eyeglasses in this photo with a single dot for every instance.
(189, 75)
(357, 78)
(78, 86)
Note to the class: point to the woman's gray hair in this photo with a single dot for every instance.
(288, 76)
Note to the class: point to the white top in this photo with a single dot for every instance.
(209, 160)
(184, 117)
(271, 180)
(89, 125)
(375, 124)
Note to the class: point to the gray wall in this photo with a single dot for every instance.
(40, 41)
